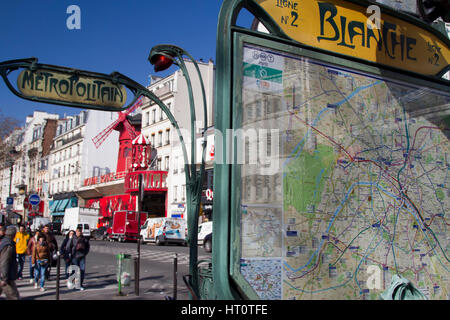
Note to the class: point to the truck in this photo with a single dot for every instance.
(86, 218)
(126, 225)
(164, 230)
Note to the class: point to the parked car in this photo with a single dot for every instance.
(100, 234)
(205, 236)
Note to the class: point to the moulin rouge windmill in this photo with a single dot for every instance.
(126, 135)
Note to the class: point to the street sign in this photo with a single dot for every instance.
(66, 87)
(346, 28)
(10, 201)
(34, 199)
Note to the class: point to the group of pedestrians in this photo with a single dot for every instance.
(42, 249)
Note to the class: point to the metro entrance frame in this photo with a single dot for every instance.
(228, 283)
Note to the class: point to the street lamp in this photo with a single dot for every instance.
(162, 57)
(92, 90)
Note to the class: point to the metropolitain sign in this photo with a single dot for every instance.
(66, 87)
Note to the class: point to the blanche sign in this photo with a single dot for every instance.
(68, 87)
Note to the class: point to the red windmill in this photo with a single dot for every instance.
(126, 134)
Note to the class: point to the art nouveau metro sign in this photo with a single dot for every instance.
(70, 87)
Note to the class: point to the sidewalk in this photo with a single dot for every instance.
(98, 287)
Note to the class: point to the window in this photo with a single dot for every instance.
(167, 136)
(160, 138)
(183, 192)
(175, 165)
(166, 163)
(153, 140)
(175, 192)
(147, 118)
(153, 115)
(159, 164)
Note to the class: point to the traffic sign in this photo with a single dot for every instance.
(34, 199)
(10, 201)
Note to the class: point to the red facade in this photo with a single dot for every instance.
(109, 204)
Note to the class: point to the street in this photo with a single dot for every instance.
(156, 274)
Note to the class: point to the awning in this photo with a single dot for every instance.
(54, 214)
(53, 205)
(62, 205)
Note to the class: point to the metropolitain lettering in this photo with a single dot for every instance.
(352, 34)
(70, 88)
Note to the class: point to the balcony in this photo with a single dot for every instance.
(153, 181)
(73, 138)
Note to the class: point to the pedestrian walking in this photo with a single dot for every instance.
(8, 265)
(30, 249)
(66, 249)
(79, 253)
(53, 245)
(41, 259)
(2, 231)
(21, 240)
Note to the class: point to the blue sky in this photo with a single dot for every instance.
(115, 35)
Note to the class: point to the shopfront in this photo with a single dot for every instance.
(60, 203)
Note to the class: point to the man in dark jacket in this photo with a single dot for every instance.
(53, 244)
(8, 265)
(79, 253)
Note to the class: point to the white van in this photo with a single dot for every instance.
(205, 235)
(164, 230)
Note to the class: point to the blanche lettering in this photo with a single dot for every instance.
(70, 88)
(347, 32)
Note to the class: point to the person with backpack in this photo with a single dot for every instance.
(66, 249)
(79, 253)
(41, 259)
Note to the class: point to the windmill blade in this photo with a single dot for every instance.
(98, 139)
(136, 105)
(133, 134)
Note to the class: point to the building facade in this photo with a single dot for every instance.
(74, 158)
(173, 92)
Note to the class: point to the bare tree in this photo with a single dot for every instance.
(7, 143)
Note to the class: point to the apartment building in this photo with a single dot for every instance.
(74, 157)
(23, 179)
(173, 92)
